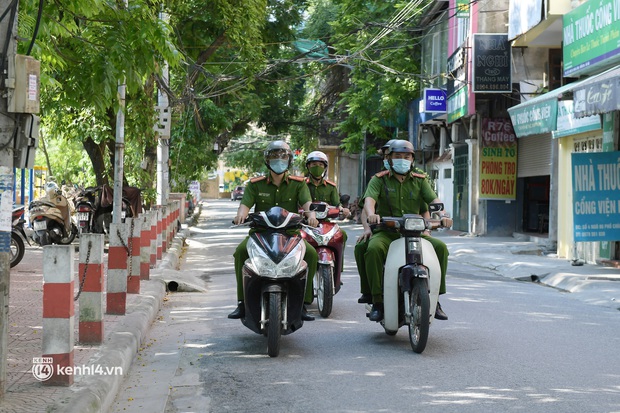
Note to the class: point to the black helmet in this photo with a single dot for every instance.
(278, 149)
(400, 145)
(386, 146)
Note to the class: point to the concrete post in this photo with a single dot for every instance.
(164, 228)
(58, 311)
(160, 219)
(145, 246)
(90, 273)
(133, 255)
(153, 261)
(116, 297)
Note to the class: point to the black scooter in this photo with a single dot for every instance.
(274, 277)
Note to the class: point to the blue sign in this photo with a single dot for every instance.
(596, 196)
(435, 101)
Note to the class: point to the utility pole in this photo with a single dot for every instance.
(163, 135)
(119, 153)
(8, 126)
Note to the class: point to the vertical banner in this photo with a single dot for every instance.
(596, 196)
(498, 160)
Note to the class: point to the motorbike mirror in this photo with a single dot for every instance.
(436, 207)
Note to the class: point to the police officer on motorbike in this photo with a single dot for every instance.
(362, 242)
(397, 192)
(278, 188)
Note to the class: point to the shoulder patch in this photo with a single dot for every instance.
(382, 174)
(297, 178)
(419, 171)
(257, 179)
(330, 182)
(417, 175)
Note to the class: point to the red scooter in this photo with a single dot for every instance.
(328, 241)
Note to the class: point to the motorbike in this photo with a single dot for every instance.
(18, 236)
(412, 277)
(328, 241)
(94, 209)
(274, 276)
(50, 218)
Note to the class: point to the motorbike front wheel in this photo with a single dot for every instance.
(420, 306)
(324, 285)
(17, 249)
(274, 326)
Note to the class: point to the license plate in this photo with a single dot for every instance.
(83, 216)
(123, 213)
(40, 225)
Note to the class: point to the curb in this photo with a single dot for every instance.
(96, 393)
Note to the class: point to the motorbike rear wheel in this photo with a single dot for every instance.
(70, 237)
(17, 249)
(274, 326)
(420, 306)
(324, 286)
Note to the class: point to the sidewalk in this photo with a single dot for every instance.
(123, 337)
(528, 261)
(506, 256)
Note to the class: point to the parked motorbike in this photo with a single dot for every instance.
(328, 241)
(412, 278)
(18, 236)
(50, 218)
(94, 209)
(274, 276)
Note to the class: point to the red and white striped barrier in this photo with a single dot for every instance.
(116, 286)
(90, 278)
(145, 246)
(133, 254)
(58, 312)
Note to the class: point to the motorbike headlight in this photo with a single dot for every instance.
(415, 224)
(263, 265)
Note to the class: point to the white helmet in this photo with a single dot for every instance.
(317, 156)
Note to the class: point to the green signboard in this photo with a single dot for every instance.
(457, 104)
(535, 118)
(591, 35)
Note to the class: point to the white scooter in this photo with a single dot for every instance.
(412, 278)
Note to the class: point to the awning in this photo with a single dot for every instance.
(598, 94)
(538, 115)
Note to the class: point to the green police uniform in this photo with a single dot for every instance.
(326, 191)
(262, 194)
(394, 198)
(360, 250)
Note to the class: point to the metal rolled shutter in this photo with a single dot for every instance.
(534, 156)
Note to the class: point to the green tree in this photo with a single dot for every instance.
(86, 47)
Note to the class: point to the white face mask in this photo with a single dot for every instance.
(278, 165)
(401, 166)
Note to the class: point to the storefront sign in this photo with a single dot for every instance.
(457, 104)
(591, 33)
(596, 196)
(462, 9)
(567, 124)
(535, 118)
(498, 160)
(522, 16)
(435, 100)
(491, 64)
(597, 97)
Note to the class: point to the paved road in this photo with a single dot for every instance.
(508, 345)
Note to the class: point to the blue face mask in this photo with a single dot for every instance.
(278, 165)
(401, 166)
(386, 164)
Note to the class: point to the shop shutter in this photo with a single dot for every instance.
(534, 156)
